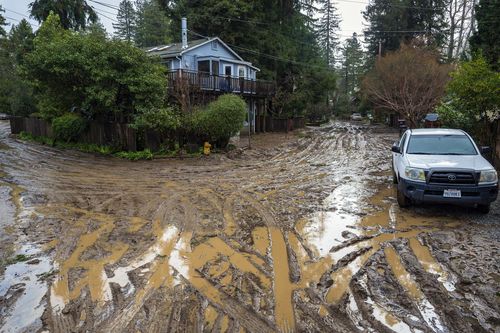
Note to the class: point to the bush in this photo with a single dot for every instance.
(103, 78)
(136, 155)
(68, 127)
(452, 118)
(164, 120)
(221, 119)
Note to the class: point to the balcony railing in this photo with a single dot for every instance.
(220, 84)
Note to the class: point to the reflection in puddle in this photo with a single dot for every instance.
(382, 315)
(424, 306)
(22, 282)
(345, 233)
(323, 240)
(342, 277)
(162, 248)
(324, 230)
(430, 264)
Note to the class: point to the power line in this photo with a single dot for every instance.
(13, 11)
(103, 15)
(21, 14)
(268, 55)
(102, 10)
(391, 5)
(340, 35)
(13, 19)
(104, 4)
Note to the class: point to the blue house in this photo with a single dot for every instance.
(207, 56)
(210, 67)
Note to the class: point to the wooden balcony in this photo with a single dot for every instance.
(204, 82)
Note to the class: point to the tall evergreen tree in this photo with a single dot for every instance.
(353, 66)
(327, 30)
(74, 14)
(126, 17)
(16, 94)
(487, 36)
(276, 36)
(20, 41)
(392, 22)
(2, 22)
(152, 24)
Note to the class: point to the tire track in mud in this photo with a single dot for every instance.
(221, 244)
(268, 221)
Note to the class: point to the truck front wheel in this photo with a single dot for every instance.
(484, 209)
(403, 200)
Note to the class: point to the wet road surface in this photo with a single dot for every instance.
(304, 236)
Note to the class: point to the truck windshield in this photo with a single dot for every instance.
(441, 145)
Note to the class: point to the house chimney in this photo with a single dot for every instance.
(184, 33)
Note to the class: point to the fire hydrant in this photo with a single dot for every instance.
(206, 148)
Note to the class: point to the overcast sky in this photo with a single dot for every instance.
(350, 11)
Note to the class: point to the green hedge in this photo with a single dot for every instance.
(68, 127)
(221, 119)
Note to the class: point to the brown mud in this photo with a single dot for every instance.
(304, 235)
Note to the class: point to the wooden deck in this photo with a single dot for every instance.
(220, 84)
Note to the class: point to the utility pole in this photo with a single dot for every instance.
(250, 124)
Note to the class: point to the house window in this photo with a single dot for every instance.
(215, 67)
(204, 66)
(241, 71)
(228, 70)
(168, 64)
(215, 45)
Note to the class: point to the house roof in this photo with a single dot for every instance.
(175, 49)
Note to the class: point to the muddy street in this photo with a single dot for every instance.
(300, 235)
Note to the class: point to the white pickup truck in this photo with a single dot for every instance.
(443, 166)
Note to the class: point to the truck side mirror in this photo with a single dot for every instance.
(395, 148)
(485, 150)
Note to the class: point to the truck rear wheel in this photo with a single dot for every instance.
(403, 200)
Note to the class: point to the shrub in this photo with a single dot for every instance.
(86, 71)
(221, 119)
(136, 155)
(68, 127)
(164, 120)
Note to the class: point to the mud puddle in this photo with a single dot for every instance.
(25, 267)
(22, 290)
(306, 236)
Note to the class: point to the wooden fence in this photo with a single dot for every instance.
(123, 137)
(270, 124)
(104, 134)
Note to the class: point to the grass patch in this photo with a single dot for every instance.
(16, 259)
(135, 155)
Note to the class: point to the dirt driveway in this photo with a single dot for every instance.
(301, 237)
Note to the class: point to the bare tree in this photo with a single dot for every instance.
(184, 86)
(409, 81)
(460, 17)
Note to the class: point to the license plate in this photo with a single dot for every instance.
(452, 194)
